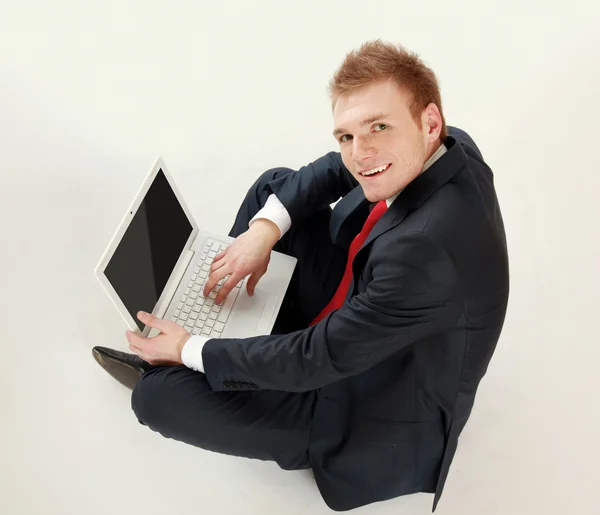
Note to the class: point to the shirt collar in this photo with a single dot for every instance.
(436, 155)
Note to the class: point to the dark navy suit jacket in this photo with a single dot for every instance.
(398, 365)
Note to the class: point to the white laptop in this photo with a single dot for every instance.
(158, 262)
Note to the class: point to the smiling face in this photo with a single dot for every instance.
(380, 142)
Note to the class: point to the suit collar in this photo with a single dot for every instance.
(434, 157)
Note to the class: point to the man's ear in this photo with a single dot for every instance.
(432, 121)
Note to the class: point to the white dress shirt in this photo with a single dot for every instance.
(274, 210)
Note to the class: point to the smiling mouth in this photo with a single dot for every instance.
(375, 171)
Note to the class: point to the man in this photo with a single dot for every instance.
(390, 320)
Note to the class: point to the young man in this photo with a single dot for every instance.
(392, 315)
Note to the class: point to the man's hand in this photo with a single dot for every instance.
(249, 253)
(163, 349)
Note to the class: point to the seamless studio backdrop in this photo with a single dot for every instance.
(92, 92)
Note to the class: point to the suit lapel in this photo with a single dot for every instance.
(348, 216)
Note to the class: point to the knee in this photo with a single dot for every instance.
(163, 396)
(148, 396)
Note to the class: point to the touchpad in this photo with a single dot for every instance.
(255, 312)
(267, 313)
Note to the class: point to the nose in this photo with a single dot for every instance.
(362, 149)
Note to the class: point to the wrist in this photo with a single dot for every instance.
(266, 228)
(180, 347)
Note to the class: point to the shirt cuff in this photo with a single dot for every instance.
(191, 354)
(275, 211)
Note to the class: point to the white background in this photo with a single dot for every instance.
(91, 92)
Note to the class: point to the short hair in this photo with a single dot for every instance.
(376, 60)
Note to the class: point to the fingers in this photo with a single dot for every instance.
(164, 348)
(153, 321)
(253, 281)
(215, 266)
(143, 346)
(228, 286)
(135, 339)
(138, 351)
(217, 261)
(137, 343)
(213, 279)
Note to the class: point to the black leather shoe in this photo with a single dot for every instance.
(125, 368)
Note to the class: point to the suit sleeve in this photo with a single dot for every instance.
(414, 293)
(313, 187)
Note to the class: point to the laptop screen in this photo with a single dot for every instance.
(149, 250)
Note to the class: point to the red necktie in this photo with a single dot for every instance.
(338, 299)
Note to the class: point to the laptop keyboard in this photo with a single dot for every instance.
(195, 312)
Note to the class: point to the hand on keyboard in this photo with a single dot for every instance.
(248, 254)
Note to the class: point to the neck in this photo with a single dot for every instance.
(432, 148)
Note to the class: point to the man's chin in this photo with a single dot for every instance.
(374, 196)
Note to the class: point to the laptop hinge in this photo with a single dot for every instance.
(174, 282)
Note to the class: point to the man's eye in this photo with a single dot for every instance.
(381, 125)
(343, 138)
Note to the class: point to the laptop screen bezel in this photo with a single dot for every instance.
(99, 271)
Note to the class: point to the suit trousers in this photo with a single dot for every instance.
(261, 424)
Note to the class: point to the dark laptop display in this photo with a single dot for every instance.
(144, 260)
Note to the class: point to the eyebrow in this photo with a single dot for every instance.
(371, 119)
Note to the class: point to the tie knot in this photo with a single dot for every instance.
(375, 214)
(378, 210)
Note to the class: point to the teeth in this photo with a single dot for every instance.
(375, 170)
